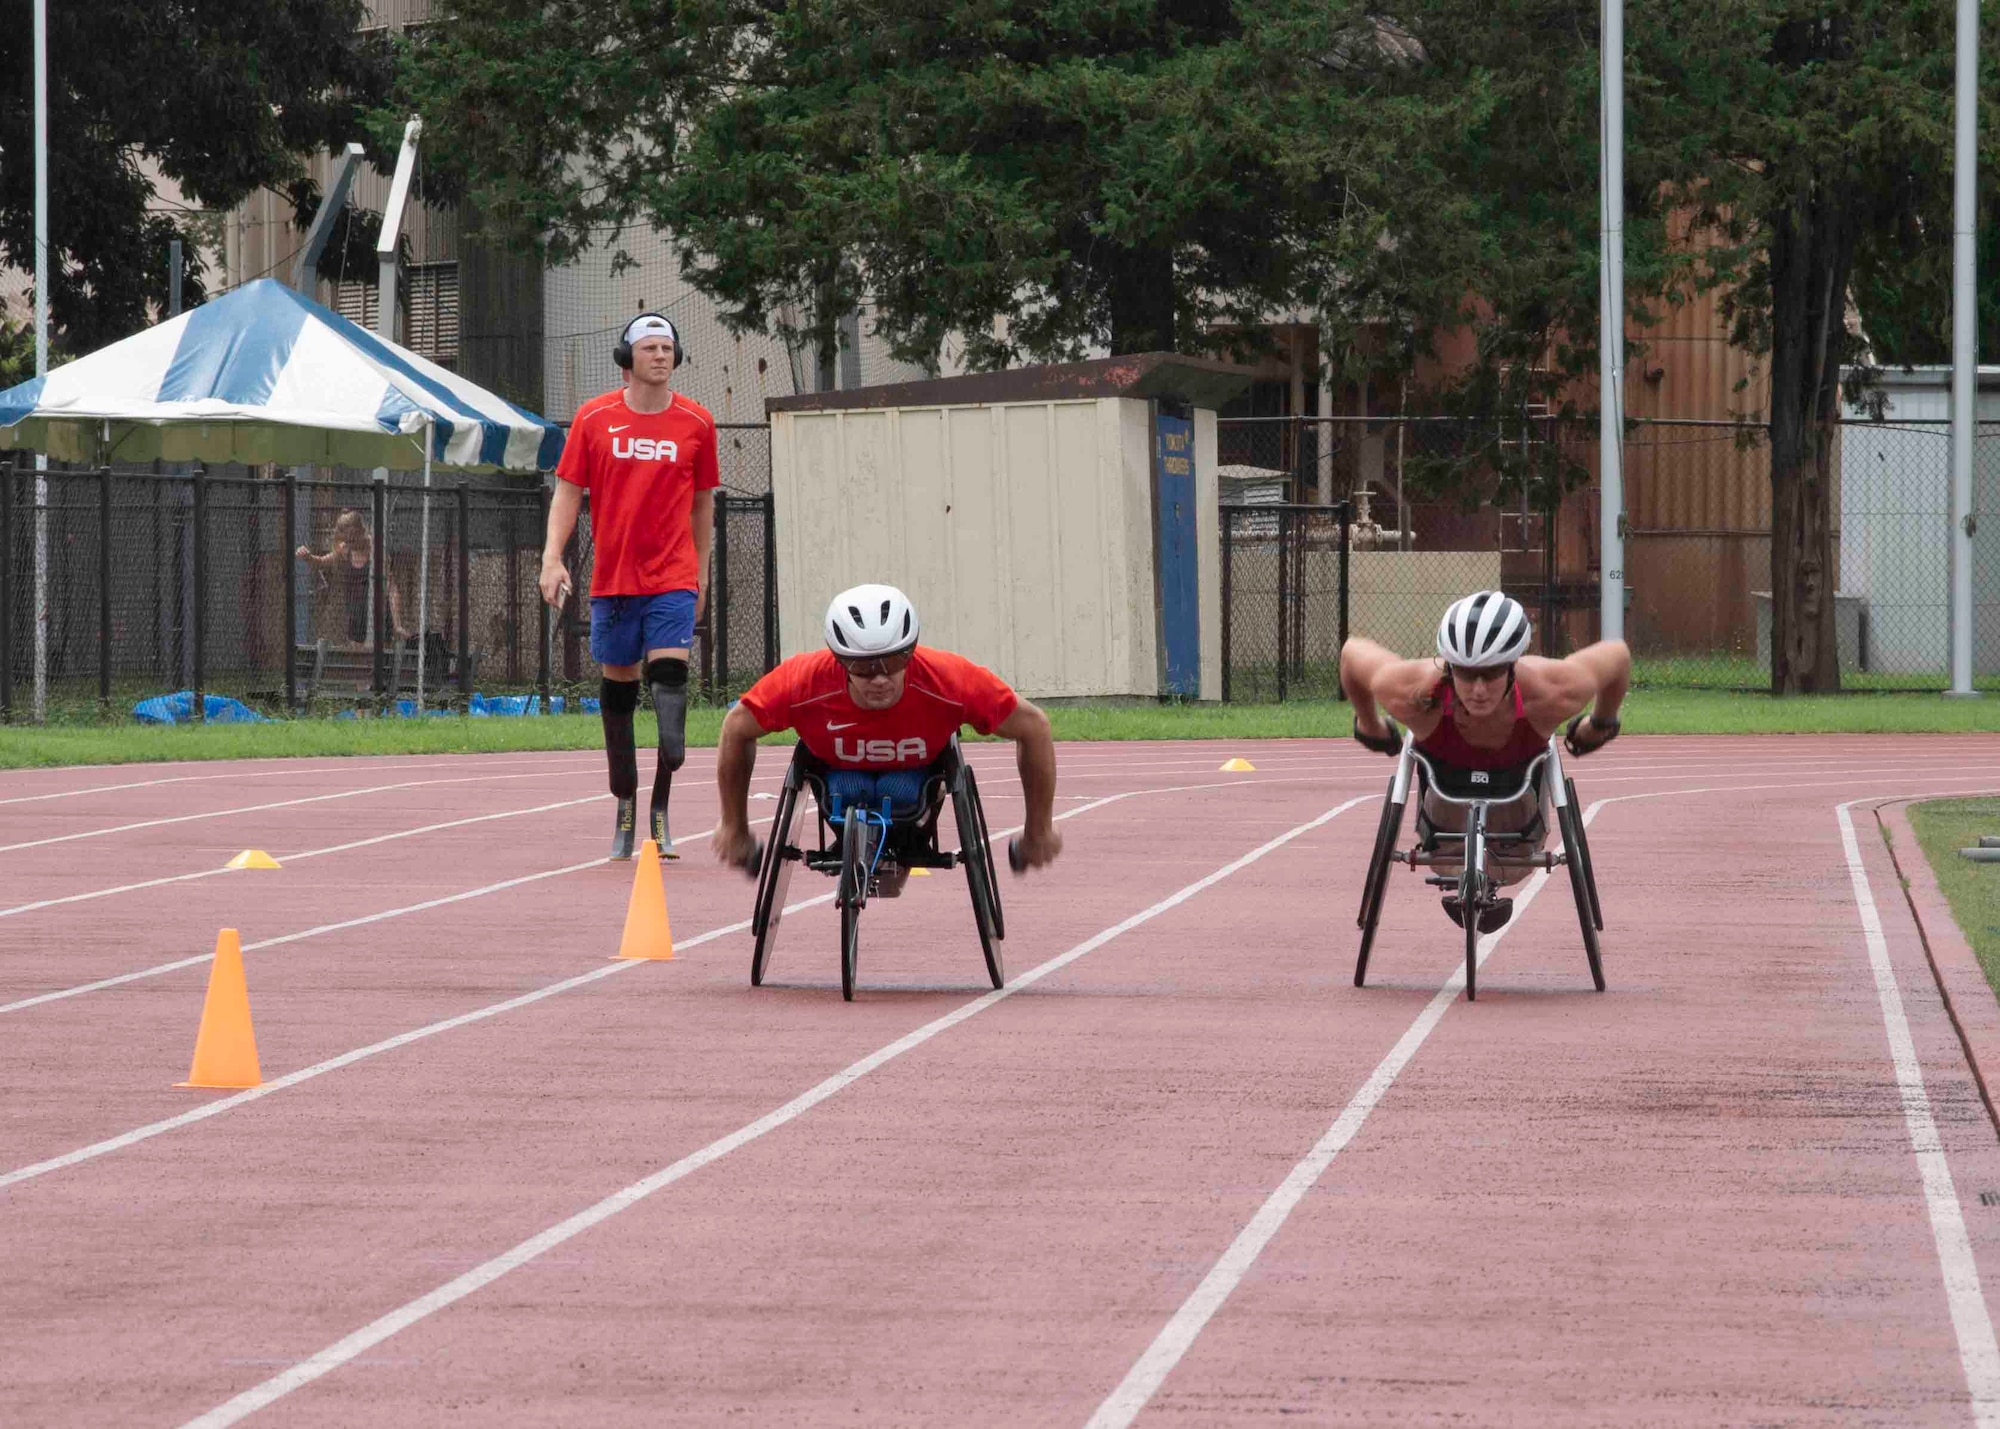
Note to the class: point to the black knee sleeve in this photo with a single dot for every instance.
(669, 677)
(618, 696)
(616, 701)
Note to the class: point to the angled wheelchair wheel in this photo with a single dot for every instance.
(1375, 885)
(1571, 821)
(1583, 853)
(856, 849)
(998, 919)
(774, 879)
(975, 850)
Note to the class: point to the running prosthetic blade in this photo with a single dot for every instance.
(625, 828)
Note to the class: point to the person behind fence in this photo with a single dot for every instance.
(877, 708)
(647, 456)
(1483, 703)
(349, 567)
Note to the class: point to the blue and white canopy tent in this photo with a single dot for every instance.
(263, 375)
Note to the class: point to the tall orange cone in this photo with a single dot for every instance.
(225, 1050)
(646, 932)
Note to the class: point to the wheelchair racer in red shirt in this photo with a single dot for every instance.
(878, 709)
(1484, 703)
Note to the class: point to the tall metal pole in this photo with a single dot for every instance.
(424, 563)
(1611, 334)
(1964, 342)
(41, 354)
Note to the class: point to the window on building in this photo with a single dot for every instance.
(430, 309)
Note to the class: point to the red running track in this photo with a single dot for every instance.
(1190, 1172)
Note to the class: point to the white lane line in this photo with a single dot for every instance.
(202, 1113)
(291, 770)
(1143, 1380)
(160, 969)
(307, 853)
(367, 1337)
(301, 854)
(279, 804)
(1977, 1351)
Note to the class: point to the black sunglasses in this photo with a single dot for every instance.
(880, 668)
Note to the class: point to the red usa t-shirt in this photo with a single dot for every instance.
(941, 692)
(642, 470)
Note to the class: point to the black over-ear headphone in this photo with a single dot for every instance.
(622, 353)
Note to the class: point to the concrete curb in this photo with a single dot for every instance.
(1968, 997)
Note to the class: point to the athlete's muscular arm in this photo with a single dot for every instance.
(1035, 755)
(703, 522)
(735, 758)
(1379, 681)
(1595, 676)
(564, 504)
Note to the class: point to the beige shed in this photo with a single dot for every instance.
(1055, 523)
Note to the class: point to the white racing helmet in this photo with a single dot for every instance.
(870, 620)
(1483, 630)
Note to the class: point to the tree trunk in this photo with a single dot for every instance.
(1812, 251)
(1140, 289)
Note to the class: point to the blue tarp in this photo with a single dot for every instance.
(178, 708)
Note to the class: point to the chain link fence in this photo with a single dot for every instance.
(120, 584)
(1437, 508)
(1342, 526)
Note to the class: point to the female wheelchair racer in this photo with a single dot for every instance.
(1482, 755)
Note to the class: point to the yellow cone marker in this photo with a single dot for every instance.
(253, 858)
(225, 1049)
(1238, 766)
(920, 873)
(647, 934)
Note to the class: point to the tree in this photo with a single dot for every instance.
(222, 97)
(1776, 150)
(1125, 172)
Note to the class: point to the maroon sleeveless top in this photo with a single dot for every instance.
(1449, 747)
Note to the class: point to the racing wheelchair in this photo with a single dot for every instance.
(1480, 850)
(866, 848)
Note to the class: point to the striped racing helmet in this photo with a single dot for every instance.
(1483, 630)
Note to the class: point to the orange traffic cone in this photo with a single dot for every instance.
(647, 934)
(225, 1050)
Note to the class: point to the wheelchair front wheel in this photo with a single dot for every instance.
(1472, 896)
(856, 849)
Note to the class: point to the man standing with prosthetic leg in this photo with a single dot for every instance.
(647, 456)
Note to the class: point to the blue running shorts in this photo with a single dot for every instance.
(624, 627)
(903, 788)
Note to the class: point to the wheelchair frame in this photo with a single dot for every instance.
(1482, 851)
(865, 847)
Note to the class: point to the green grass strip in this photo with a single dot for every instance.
(1943, 827)
(1647, 712)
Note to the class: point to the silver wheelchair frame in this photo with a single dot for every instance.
(1481, 851)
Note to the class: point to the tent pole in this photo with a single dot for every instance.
(424, 564)
(41, 37)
